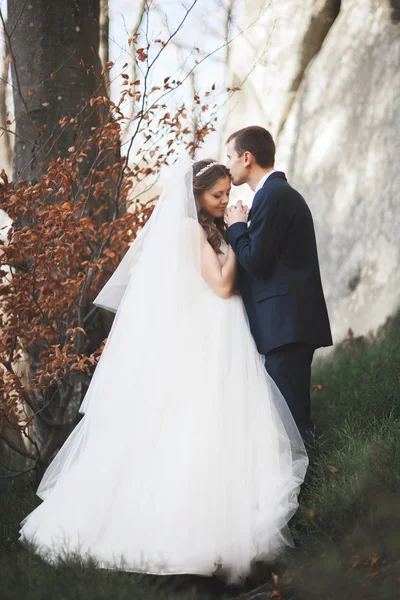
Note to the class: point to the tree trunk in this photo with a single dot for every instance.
(51, 43)
(56, 70)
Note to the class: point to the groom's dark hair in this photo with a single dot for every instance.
(256, 140)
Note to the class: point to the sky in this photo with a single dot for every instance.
(203, 29)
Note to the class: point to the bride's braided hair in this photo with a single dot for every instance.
(205, 174)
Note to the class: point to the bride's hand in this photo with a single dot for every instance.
(237, 214)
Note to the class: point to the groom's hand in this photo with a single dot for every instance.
(237, 214)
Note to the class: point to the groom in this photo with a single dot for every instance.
(279, 273)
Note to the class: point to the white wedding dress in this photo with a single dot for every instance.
(187, 459)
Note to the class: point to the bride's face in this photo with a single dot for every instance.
(215, 200)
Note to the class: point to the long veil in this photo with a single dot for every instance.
(162, 237)
(157, 283)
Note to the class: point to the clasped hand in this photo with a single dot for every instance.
(237, 214)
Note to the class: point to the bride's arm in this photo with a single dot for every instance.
(220, 278)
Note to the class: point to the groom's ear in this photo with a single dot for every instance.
(248, 159)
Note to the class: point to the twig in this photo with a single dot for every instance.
(19, 474)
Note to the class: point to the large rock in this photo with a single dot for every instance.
(338, 140)
(278, 41)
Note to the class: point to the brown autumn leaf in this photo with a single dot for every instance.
(141, 54)
(332, 468)
(57, 351)
(311, 514)
(373, 574)
(62, 234)
(318, 387)
(374, 559)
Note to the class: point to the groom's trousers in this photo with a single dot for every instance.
(290, 367)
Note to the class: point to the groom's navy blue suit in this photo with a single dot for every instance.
(280, 283)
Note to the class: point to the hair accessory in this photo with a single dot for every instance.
(204, 169)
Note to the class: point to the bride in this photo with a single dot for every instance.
(187, 459)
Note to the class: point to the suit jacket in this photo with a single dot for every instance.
(278, 274)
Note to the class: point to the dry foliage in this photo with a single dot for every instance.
(69, 232)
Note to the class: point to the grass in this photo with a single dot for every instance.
(347, 530)
(348, 526)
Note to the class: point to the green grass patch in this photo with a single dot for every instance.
(24, 576)
(347, 530)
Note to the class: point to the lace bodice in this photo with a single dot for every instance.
(224, 251)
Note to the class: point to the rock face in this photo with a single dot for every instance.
(329, 90)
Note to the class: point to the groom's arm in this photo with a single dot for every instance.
(256, 246)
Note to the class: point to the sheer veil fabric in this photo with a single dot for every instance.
(187, 459)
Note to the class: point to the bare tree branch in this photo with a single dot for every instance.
(22, 452)
(104, 38)
(18, 473)
(135, 29)
(228, 5)
(3, 105)
(7, 35)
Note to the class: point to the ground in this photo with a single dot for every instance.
(347, 530)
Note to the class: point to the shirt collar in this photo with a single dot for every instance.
(262, 181)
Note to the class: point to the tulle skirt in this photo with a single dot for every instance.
(187, 459)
